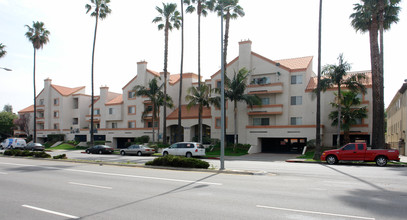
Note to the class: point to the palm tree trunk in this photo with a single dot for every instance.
(381, 139)
(225, 48)
(35, 102)
(318, 149)
(92, 87)
(377, 124)
(165, 84)
(338, 138)
(199, 69)
(179, 131)
(152, 119)
(235, 118)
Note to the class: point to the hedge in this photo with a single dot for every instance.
(178, 161)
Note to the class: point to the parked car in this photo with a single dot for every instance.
(34, 146)
(138, 150)
(13, 143)
(100, 149)
(188, 149)
(359, 152)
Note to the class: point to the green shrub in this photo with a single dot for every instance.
(55, 137)
(26, 153)
(41, 154)
(177, 161)
(61, 156)
(73, 142)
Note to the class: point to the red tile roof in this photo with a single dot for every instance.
(312, 84)
(116, 101)
(65, 91)
(27, 110)
(190, 114)
(296, 64)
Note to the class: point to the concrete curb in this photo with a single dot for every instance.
(344, 163)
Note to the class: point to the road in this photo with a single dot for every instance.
(42, 189)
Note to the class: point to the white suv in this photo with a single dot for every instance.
(188, 149)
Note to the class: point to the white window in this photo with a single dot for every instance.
(265, 101)
(132, 94)
(56, 101)
(296, 120)
(56, 114)
(132, 109)
(41, 101)
(96, 111)
(56, 126)
(75, 121)
(296, 79)
(132, 124)
(150, 124)
(358, 121)
(296, 100)
(111, 111)
(261, 121)
(114, 124)
(261, 81)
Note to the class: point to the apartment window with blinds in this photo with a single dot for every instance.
(265, 101)
(296, 100)
(261, 121)
(132, 94)
(296, 79)
(132, 110)
(114, 125)
(132, 124)
(296, 120)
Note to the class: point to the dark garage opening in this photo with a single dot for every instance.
(283, 145)
(121, 142)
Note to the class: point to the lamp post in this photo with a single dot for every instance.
(6, 69)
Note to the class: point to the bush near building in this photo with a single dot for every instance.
(26, 153)
(177, 161)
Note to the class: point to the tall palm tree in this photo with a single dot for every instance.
(201, 96)
(38, 35)
(350, 112)
(168, 18)
(179, 128)
(153, 93)
(337, 76)
(2, 50)
(318, 149)
(374, 16)
(201, 9)
(101, 10)
(235, 92)
(232, 11)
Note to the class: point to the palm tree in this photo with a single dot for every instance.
(201, 9)
(350, 113)
(101, 10)
(201, 96)
(232, 11)
(235, 92)
(337, 76)
(38, 36)
(318, 149)
(168, 18)
(374, 16)
(155, 96)
(179, 131)
(2, 50)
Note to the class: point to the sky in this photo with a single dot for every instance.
(278, 30)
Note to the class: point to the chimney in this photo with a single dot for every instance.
(47, 83)
(104, 91)
(245, 54)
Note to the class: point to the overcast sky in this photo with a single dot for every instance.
(278, 30)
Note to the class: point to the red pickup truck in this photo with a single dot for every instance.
(359, 152)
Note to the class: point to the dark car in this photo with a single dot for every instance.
(137, 150)
(100, 149)
(34, 146)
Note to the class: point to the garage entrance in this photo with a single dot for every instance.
(121, 142)
(283, 145)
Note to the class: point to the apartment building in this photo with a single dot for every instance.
(284, 121)
(397, 120)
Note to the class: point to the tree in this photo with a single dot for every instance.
(6, 123)
(179, 128)
(350, 112)
(337, 76)
(318, 149)
(38, 36)
(201, 9)
(155, 96)
(2, 50)
(23, 122)
(374, 16)
(168, 18)
(235, 92)
(201, 96)
(8, 108)
(101, 10)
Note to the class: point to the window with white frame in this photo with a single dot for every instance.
(41, 101)
(132, 124)
(358, 121)
(132, 94)
(296, 121)
(296, 100)
(56, 114)
(296, 79)
(265, 101)
(96, 111)
(75, 121)
(261, 80)
(56, 101)
(114, 124)
(132, 109)
(111, 111)
(56, 126)
(261, 121)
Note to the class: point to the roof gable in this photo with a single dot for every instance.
(65, 91)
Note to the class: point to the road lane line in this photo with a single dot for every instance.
(84, 184)
(116, 174)
(51, 212)
(3, 173)
(312, 212)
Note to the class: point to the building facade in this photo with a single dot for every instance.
(397, 120)
(285, 120)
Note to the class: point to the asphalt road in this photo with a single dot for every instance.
(39, 189)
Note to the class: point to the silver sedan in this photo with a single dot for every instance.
(137, 150)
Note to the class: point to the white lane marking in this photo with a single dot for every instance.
(117, 174)
(312, 212)
(84, 184)
(3, 173)
(51, 212)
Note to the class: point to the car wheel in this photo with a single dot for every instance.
(188, 154)
(87, 151)
(331, 159)
(122, 153)
(165, 153)
(381, 161)
(100, 152)
(139, 153)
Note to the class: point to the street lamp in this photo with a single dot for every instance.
(6, 69)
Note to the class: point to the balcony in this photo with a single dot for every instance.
(271, 88)
(266, 110)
